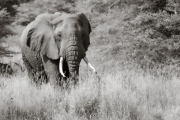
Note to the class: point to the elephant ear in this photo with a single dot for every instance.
(40, 38)
(86, 30)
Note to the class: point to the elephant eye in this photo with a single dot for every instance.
(59, 34)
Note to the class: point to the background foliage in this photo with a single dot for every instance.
(143, 31)
(135, 48)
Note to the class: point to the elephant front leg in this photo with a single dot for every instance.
(52, 70)
(37, 75)
(28, 67)
(55, 80)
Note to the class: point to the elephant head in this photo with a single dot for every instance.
(61, 40)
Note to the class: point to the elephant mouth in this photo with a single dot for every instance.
(64, 70)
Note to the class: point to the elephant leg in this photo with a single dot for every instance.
(40, 77)
(28, 67)
(37, 75)
(71, 82)
(52, 69)
(55, 81)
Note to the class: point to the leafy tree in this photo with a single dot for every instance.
(4, 20)
(8, 4)
(173, 6)
(154, 5)
(28, 11)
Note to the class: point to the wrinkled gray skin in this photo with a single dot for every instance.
(51, 36)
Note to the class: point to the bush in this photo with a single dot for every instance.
(4, 20)
(121, 29)
(28, 11)
(156, 40)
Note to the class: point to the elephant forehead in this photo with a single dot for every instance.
(65, 18)
(68, 27)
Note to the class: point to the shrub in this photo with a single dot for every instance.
(28, 11)
(4, 20)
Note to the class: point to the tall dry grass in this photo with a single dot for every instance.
(125, 95)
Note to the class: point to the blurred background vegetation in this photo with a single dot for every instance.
(144, 33)
(135, 48)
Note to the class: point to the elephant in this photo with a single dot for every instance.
(53, 45)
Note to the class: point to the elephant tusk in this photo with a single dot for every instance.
(89, 64)
(61, 66)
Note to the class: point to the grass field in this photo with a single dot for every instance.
(125, 95)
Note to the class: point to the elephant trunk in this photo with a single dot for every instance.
(74, 54)
(73, 60)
